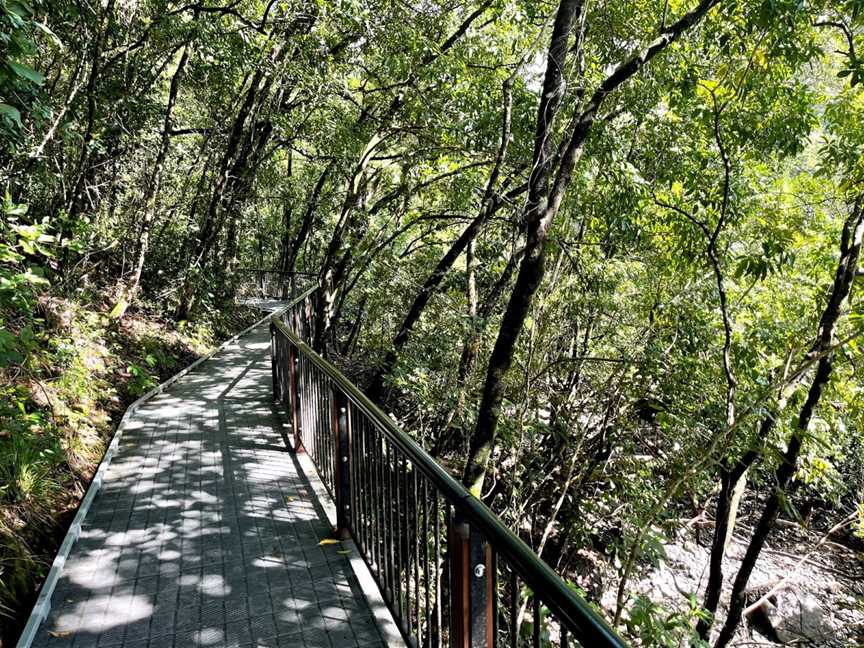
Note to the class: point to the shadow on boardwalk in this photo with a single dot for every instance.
(206, 532)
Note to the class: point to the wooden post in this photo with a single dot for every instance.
(471, 587)
(274, 364)
(342, 457)
(294, 398)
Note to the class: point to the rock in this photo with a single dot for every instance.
(797, 616)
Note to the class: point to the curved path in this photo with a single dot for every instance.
(206, 531)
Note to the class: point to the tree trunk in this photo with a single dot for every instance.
(77, 195)
(340, 252)
(471, 348)
(850, 250)
(291, 253)
(152, 188)
(488, 206)
(212, 222)
(544, 203)
(532, 266)
(733, 481)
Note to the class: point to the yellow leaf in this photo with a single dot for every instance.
(65, 633)
(328, 541)
(119, 308)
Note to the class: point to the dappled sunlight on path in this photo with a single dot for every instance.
(206, 531)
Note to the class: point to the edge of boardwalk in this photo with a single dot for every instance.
(43, 602)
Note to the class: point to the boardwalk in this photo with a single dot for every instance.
(207, 531)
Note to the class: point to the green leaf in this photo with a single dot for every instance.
(12, 113)
(26, 72)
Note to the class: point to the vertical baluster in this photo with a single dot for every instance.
(427, 579)
(369, 462)
(369, 502)
(352, 501)
(391, 529)
(340, 442)
(448, 585)
(324, 432)
(305, 402)
(317, 423)
(415, 512)
(359, 473)
(293, 362)
(313, 409)
(387, 527)
(399, 502)
(492, 594)
(364, 469)
(379, 505)
(311, 434)
(274, 363)
(565, 637)
(319, 450)
(514, 608)
(406, 548)
(321, 430)
(440, 578)
(536, 621)
(329, 436)
(314, 404)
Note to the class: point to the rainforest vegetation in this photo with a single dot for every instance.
(600, 257)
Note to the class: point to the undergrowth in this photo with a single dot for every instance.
(58, 408)
(67, 373)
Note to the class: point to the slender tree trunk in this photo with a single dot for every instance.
(152, 188)
(212, 220)
(488, 206)
(531, 268)
(376, 390)
(340, 252)
(850, 250)
(733, 481)
(471, 348)
(292, 251)
(82, 168)
(544, 203)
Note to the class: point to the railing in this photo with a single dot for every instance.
(451, 572)
(267, 284)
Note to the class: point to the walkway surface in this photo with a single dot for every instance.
(207, 531)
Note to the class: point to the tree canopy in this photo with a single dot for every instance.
(602, 259)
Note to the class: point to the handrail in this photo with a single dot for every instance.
(574, 614)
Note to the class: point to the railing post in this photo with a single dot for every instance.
(274, 363)
(294, 397)
(342, 455)
(471, 587)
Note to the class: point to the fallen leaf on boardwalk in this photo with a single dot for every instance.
(64, 633)
(328, 541)
(344, 552)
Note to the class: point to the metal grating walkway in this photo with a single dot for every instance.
(207, 531)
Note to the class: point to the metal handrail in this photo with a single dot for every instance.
(575, 614)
